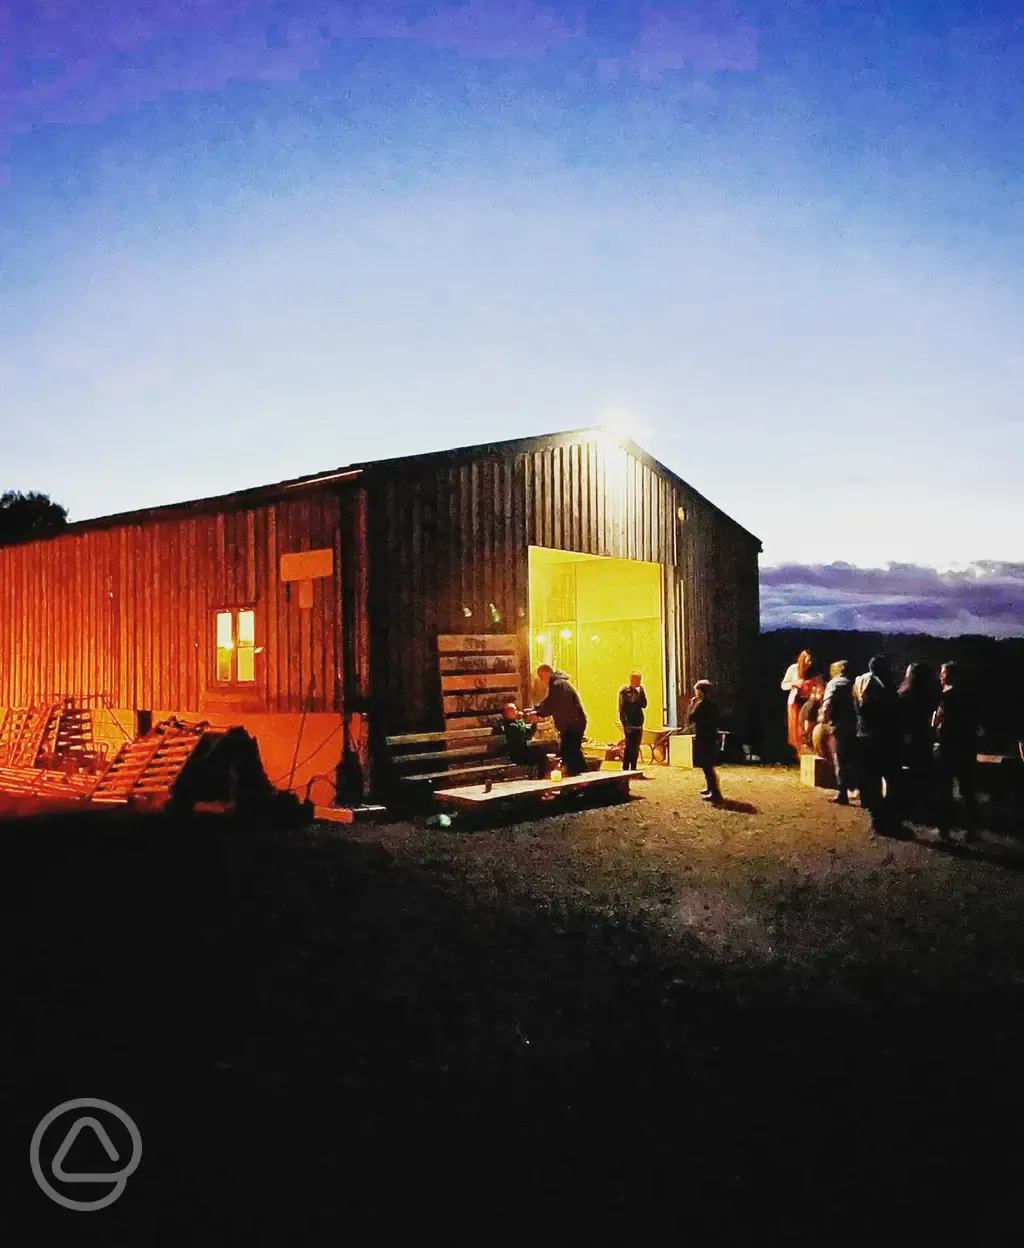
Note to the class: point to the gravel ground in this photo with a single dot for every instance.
(608, 1025)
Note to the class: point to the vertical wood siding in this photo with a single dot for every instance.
(127, 612)
(449, 538)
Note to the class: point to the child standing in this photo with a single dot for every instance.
(703, 717)
(632, 702)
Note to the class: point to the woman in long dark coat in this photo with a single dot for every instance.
(703, 716)
(919, 697)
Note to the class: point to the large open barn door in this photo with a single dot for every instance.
(479, 674)
(597, 619)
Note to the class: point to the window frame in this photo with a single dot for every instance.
(234, 682)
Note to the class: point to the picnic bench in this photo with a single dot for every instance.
(495, 793)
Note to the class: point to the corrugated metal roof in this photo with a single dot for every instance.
(282, 489)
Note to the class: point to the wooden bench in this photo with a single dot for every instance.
(494, 793)
(421, 761)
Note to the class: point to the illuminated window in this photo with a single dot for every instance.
(236, 647)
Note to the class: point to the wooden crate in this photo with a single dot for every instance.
(817, 773)
(680, 751)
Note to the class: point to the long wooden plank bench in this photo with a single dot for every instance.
(424, 760)
(494, 793)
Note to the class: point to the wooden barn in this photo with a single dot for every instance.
(326, 613)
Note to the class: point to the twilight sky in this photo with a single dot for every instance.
(783, 242)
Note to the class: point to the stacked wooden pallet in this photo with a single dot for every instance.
(145, 771)
(71, 739)
(479, 674)
(41, 783)
(23, 733)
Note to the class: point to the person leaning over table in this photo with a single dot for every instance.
(562, 704)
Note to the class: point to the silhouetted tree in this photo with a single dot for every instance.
(24, 516)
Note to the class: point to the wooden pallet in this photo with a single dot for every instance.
(72, 736)
(23, 733)
(480, 672)
(40, 783)
(146, 770)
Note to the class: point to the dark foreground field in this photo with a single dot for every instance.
(650, 1023)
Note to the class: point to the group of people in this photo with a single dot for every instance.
(903, 748)
(561, 703)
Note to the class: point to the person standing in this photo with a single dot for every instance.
(839, 715)
(562, 703)
(919, 697)
(810, 716)
(796, 683)
(632, 704)
(878, 743)
(956, 729)
(703, 716)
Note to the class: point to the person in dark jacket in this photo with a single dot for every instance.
(878, 743)
(839, 715)
(956, 731)
(522, 750)
(632, 703)
(703, 716)
(919, 697)
(562, 703)
(810, 714)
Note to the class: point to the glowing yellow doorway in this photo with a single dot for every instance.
(597, 619)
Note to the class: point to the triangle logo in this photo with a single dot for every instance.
(62, 1152)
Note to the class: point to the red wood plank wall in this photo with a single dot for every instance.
(127, 612)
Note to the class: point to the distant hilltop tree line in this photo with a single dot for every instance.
(27, 516)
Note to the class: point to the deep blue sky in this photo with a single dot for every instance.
(242, 241)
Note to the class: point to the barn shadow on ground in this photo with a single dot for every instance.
(313, 1031)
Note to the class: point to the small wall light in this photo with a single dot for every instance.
(467, 612)
(565, 634)
(681, 513)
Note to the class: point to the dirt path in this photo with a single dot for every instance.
(605, 1026)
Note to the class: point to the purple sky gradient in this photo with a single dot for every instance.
(986, 598)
